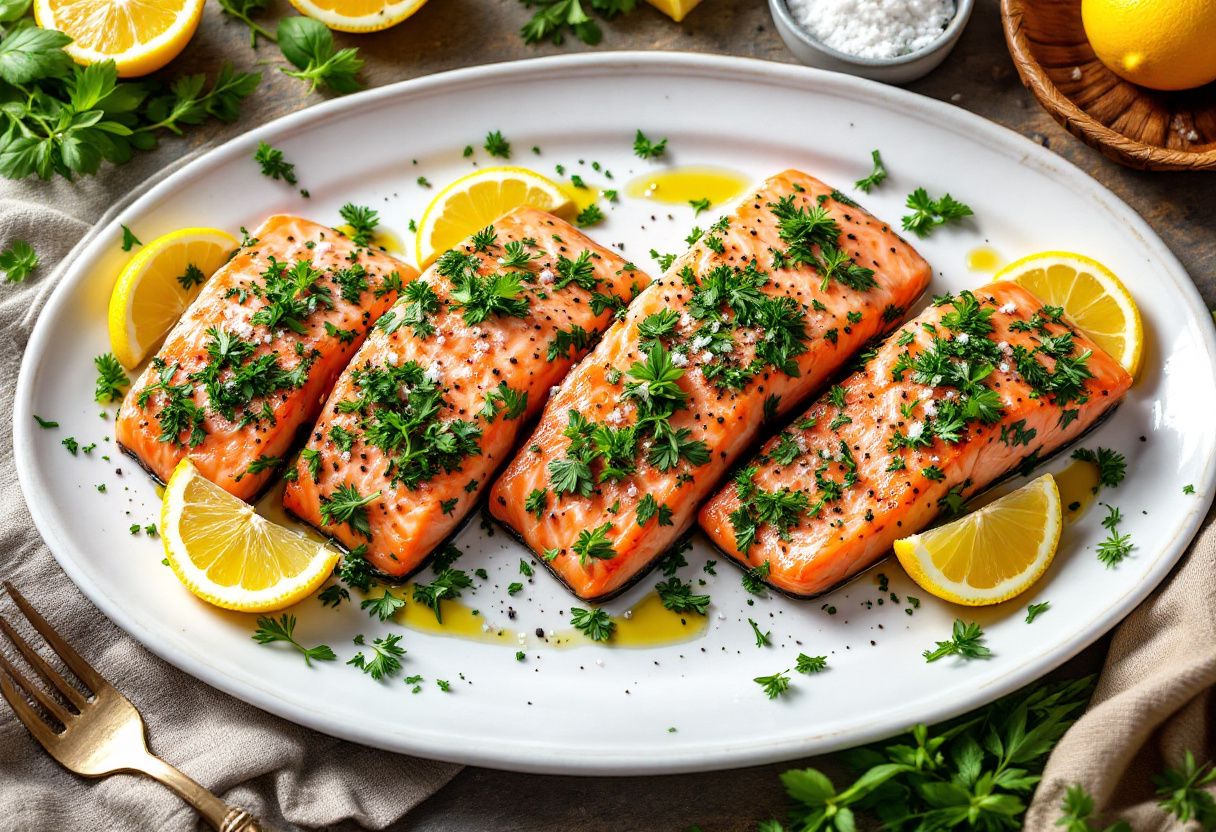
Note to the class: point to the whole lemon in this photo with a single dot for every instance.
(1162, 44)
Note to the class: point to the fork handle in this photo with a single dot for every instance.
(218, 814)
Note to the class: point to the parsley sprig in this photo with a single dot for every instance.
(929, 214)
(595, 624)
(976, 772)
(18, 261)
(554, 18)
(270, 630)
(385, 660)
(112, 380)
(877, 176)
(965, 641)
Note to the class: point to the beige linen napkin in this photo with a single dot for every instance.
(1153, 703)
(289, 776)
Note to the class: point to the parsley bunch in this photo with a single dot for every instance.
(976, 772)
(61, 119)
(554, 18)
(928, 213)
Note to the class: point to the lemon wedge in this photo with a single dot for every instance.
(158, 283)
(476, 200)
(232, 557)
(139, 37)
(994, 553)
(677, 10)
(1091, 296)
(358, 15)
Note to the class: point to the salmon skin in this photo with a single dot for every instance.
(251, 361)
(437, 397)
(978, 386)
(765, 306)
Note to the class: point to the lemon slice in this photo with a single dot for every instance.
(156, 286)
(992, 554)
(232, 557)
(358, 15)
(1092, 297)
(474, 201)
(140, 37)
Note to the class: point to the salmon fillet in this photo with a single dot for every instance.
(251, 361)
(976, 387)
(437, 397)
(765, 306)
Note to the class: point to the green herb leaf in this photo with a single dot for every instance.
(18, 261)
(309, 46)
(269, 631)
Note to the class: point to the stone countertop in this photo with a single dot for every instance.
(978, 76)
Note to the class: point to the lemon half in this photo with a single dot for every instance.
(1092, 297)
(140, 37)
(232, 557)
(156, 286)
(474, 201)
(994, 553)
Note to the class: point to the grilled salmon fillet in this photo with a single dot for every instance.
(764, 307)
(251, 361)
(979, 385)
(437, 397)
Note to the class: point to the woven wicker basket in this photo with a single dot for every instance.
(1134, 126)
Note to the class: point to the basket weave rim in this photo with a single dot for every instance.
(1080, 123)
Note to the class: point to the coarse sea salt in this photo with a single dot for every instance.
(874, 28)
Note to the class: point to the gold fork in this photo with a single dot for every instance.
(100, 734)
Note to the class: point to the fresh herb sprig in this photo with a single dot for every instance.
(18, 261)
(595, 624)
(309, 46)
(112, 380)
(929, 214)
(877, 176)
(555, 18)
(64, 120)
(965, 641)
(271, 630)
(385, 657)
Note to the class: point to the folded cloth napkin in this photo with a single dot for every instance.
(1153, 703)
(290, 777)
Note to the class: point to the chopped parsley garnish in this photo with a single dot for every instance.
(354, 569)
(1186, 489)
(129, 240)
(591, 215)
(71, 444)
(384, 607)
(497, 146)
(385, 659)
(762, 638)
(18, 261)
(965, 641)
(362, 221)
(270, 630)
(928, 214)
(504, 400)
(803, 229)
(290, 295)
(595, 624)
(754, 578)
(699, 205)
(1115, 547)
(179, 414)
(877, 176)
(580, 271)
(649, 508)
(273, 165)
(414, 309)
(333, 595)
(594, 544)
(1112, 465)
(677, 596)
(480, 296)
(346, 505)
(664, 260)
(191, 277)
(448, 584)
(112, 380)
(537, 502)
(757, 507)
(811, 664)
(644, 148)
(1035, 610)
(408, 430)
(45, 424)
(774, 685)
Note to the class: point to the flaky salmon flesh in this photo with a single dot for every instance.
(767, 305)
(436, 399)
(978, 386)
(252, 360)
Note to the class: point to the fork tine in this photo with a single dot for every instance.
(44, 699)
(71, 658)
(48, 673)
(26, 713)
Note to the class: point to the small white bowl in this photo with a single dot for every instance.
(811, 51)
